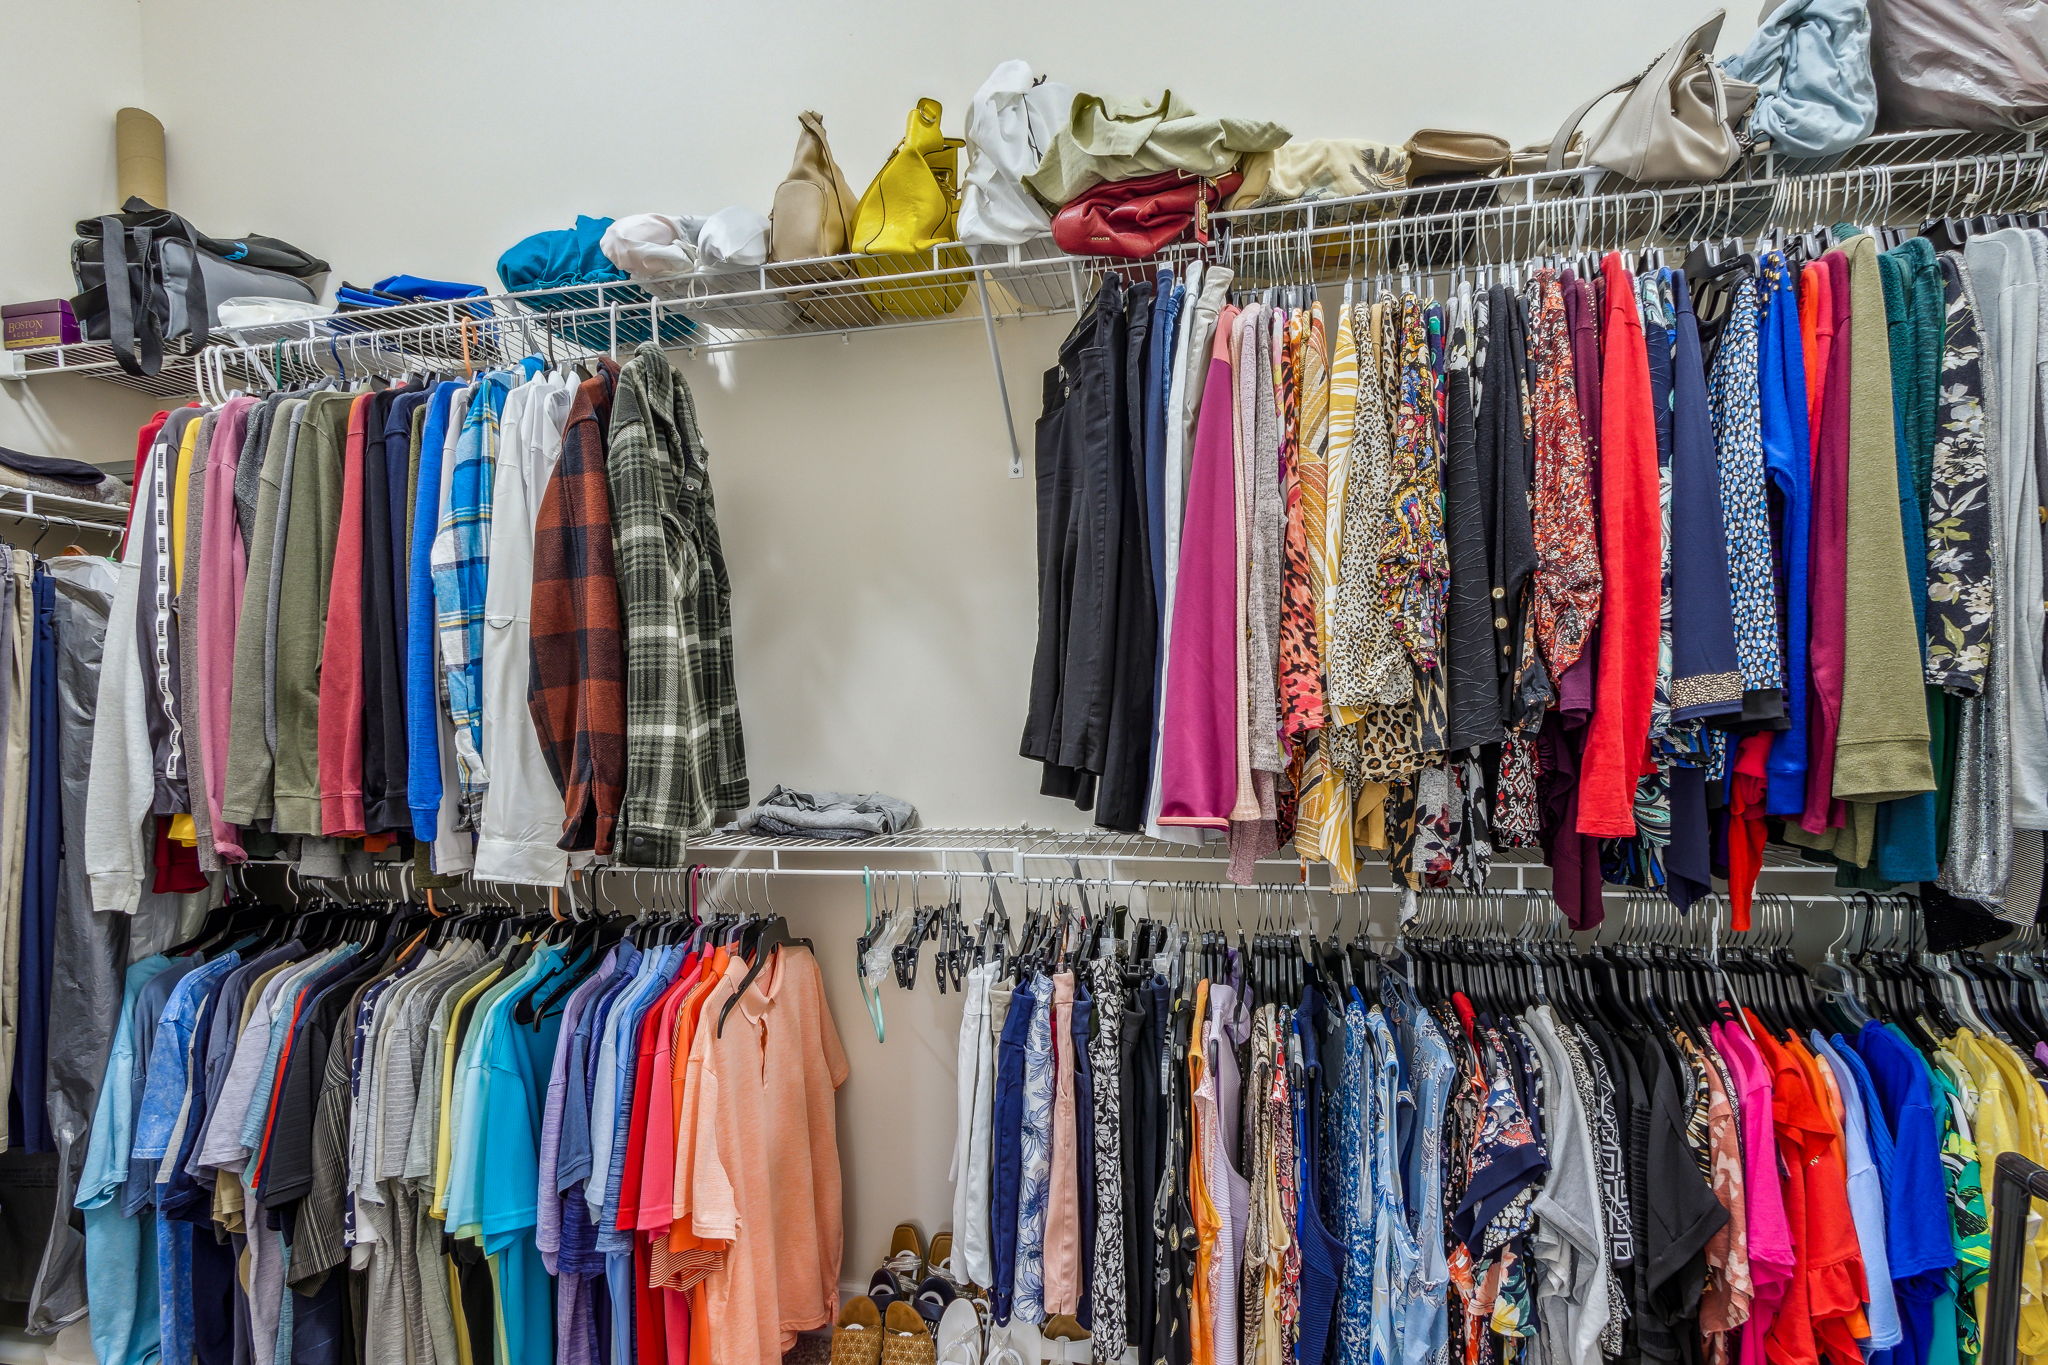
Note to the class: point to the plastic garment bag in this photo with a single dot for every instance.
(1960, 63)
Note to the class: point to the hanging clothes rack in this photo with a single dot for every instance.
(1023, 857)
(1470, 224)
(1428, 229)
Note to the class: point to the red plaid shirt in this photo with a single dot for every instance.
(577, 692)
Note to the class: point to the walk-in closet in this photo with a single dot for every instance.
(1349, 686)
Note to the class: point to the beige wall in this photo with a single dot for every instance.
(881, 555)
(67, 68)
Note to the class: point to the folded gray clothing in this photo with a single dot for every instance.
(787, 812)
(769, 825)
(108, 489)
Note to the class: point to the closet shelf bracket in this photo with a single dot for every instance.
(995, 355)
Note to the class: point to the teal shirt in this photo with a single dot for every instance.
(495, 1167)
(120, 1253)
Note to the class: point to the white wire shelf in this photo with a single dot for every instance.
(1018, 853)
(55, 509)
(1892, 178)
(95, 360)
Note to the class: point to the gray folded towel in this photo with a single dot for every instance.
(789, 813)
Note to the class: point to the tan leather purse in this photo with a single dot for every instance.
(1681, 122)
(1439, 153)
(814, 206)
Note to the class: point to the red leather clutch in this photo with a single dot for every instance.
(1136, 218)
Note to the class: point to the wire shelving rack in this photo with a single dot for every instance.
(1432, 228)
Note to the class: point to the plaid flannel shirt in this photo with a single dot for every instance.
(685, 757)
(577, 687)
(461, 563)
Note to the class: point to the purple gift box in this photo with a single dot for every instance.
(46, 322)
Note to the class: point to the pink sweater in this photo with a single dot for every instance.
(1199, 720)
(223, 565)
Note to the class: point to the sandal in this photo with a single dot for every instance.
(885, 1289)
(1066, 1341)
(1020, 1344)
(940, 1259)
(905, 1338)
(934, 1297)
(857, 1339)
(958, 1337)
(906, 1253)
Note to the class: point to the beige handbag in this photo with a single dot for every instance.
(1447, 153)
(813, 218)
(814, 205)
(1680, 123)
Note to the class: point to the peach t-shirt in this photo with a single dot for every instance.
(759, 1099)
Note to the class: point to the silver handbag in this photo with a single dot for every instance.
(1680, 123)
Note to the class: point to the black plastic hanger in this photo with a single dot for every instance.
(774, 937)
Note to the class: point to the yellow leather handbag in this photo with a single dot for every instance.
(908, 211)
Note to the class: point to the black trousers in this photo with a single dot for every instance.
(1090, 714)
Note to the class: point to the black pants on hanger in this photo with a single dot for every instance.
(1090, 715)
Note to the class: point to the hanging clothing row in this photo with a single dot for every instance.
(1614, 563)
(60, 963)
(485, 617)
(1491, 1150)
(48, 637)
(365, 1132)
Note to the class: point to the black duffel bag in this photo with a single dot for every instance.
(168, 279)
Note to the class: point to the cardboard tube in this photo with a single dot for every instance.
(139, 157)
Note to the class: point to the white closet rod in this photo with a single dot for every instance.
(721, 880)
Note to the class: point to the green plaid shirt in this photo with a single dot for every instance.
(685, 758)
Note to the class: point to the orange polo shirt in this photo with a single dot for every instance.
(759, 1142)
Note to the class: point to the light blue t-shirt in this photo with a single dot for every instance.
(514, 1058)
(1866, 1204)
(625, 1062)
(120, 1252)
(465, 1133)
(612, 1082)
(166, 1099)
(167, 1090)
(140, 1188)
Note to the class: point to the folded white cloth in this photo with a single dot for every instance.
(1012, 119)
(649, 246)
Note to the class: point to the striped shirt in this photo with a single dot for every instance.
(461, 566)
